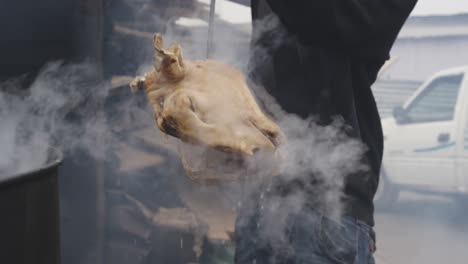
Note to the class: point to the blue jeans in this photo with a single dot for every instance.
(311, 238)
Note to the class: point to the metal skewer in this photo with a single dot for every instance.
(209, 45)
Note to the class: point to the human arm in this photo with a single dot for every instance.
(343, 23)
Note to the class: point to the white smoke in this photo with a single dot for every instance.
(64, 108)
(318, 158)
(324, 155)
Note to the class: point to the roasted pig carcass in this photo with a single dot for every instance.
(205, 103)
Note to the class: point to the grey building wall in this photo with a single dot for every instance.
(419, 58)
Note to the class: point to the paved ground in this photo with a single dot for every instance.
(423, 230)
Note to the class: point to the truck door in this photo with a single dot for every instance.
(462, 146)
(426, 144)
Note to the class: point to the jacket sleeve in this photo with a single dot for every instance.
(346, 23)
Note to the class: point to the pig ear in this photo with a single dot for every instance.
(177, 50)
(158, 42)
(160, 53)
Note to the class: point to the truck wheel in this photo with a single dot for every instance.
(387, 193)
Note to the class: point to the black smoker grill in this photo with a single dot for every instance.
(29, 215)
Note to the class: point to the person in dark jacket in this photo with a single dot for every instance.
(329, 55)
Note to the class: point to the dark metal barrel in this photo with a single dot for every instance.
(29, 215)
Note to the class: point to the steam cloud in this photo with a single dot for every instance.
(325, 155)
(62, 108)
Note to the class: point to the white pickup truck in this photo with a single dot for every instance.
(426, 140)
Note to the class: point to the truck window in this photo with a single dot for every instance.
(437, 102)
